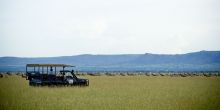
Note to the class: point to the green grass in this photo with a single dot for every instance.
(115, 93)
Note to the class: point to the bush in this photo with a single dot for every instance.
(8, 73)
(1, 75)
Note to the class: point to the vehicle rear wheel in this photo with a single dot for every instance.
(31, 84)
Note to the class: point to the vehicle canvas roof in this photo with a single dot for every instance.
(48, 65)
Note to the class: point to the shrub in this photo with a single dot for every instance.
(8, 73)
(1, 75)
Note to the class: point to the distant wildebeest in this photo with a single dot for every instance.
(123, 74)
(155, 74)
(174, 75)
(110, 74)
(81, 73)
(162, 74)
(19, 74)
(183, 75)
(93, 74)
(131, 74)
(147, 74)
(207, 74)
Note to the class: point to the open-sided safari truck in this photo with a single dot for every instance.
(53, 74)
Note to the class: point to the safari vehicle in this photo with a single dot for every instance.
(53, 74)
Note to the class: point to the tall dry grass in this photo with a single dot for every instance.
(114, 93)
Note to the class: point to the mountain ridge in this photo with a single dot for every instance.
(195, 61)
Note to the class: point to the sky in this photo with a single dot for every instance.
(45, 28)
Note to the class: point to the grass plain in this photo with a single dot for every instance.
(114, 93)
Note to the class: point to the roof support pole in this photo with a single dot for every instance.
(63, 70)
(47, 69)
(38, 69)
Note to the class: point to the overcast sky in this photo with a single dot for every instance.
(38, 28)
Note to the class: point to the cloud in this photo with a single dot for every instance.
(92, 29)
(53, 28)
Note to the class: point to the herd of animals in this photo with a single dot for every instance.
(171, 74)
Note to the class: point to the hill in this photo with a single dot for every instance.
(196, 61)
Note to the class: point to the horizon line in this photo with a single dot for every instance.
(113, 54)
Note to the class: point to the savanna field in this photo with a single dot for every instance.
(114, 93)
